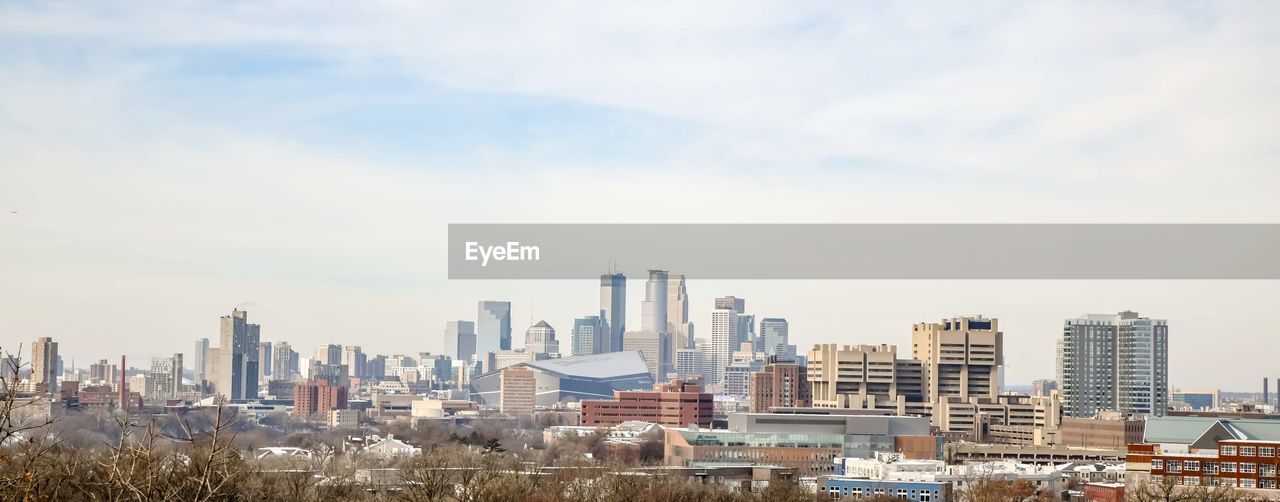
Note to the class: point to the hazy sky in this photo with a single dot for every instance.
(161, 163)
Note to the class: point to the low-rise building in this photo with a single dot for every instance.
(675, 404)
(344, 419)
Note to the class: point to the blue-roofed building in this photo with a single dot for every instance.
(568, 379)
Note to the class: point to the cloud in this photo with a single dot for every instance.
(170, 160)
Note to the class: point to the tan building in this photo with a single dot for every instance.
(863, 376)
(961, 357)
(517, 387)
(344, 419)
(44, 365)
(1109, 430)
(779, 385)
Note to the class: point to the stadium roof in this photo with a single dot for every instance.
(595, 366)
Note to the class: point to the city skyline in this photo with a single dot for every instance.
(127, 137)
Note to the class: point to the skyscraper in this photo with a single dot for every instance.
(264, 361)
(460, 339)
(724, 334)
(198, 362)
(282, 358)
(653, 310)
(354, 359)
(234, 371)
(678, 312)
(540, 340)
(775, 340)
(961, 357)
(1114, 362)
(166, 377)
(588, 335)
(652, 346)
(44, 365)
(493, 327)
(613, 310)
(329, 354)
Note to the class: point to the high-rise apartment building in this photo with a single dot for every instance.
(265, 361)
(198, 363)
(517, 388)
(354, 359)
(493, 327)
(282, 362)
(318, 399)
(588, 335)
(460, 339)
(329, 354)
(540, 340)
(961, 356)
(166, 377)
(613, 310)
(780, 384)
(1114, 362)
(44, 365)
(234, 368)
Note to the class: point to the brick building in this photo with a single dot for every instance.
(675, 404)
(778, 384)
(318, 397)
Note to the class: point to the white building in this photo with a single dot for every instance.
(1114, 362)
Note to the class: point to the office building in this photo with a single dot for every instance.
(540, 339)
(233, 366)
(613, 310)
(864, 376)
(44, 365)
(335, 375)
(653, 310)
(198, 362)
(588, 336)
(652, 346)
(493, 326)
(780, 384)
(1114, 362)
(318, 398)
(1195, 400)
(460, 339)
(961, 357)
(674, 404)
(724, 334)
(517, 388)
(678, 325)
(774, 338)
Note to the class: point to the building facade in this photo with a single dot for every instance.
(1114, 362)
(493, 326)
(674, 404)
(780, 385)
(613, 310)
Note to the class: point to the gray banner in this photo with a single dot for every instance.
(867, 251)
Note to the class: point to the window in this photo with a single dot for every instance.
(1228, 449)
(1268, 470)
(1191, 465)
(1157, 464)
(1173, 466)
(1210, 468)
(1191, 480)
(1248, 468)
(1267, 451)
(1247, 483)
(1247, 451)
(1228, 467)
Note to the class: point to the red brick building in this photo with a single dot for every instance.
(1104, 492)
(780, 385)
(676, 404)
(1239, 463)
(318, 397)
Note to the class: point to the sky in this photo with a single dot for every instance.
(162, 163)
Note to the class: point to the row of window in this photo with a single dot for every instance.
(1248, 451)
(1175, 466)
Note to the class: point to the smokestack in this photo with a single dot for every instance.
(124, 388)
